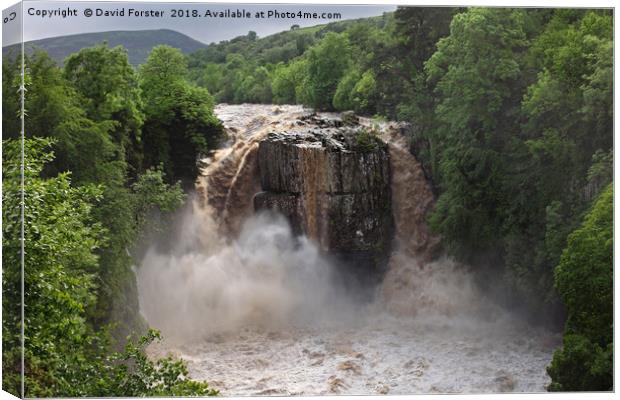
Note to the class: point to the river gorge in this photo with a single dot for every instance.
(303, 265)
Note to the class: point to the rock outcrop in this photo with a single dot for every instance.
(332, 181)
(356, 191)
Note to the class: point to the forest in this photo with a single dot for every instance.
(512, 120)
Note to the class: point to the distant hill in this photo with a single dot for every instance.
(137, 43)
(278, 47)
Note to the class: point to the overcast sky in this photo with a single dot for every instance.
(206, 30)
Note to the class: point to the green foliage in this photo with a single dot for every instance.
(418, 30)
(86, 206)
(561, 141)
(107, 82)
(212, 77)
(368, 76)
(584, 275)
(581, 365)
(511, 142)
(109, 133)
(327, 63)
(584, 280)
(227, 68)
(367, 139)
(131, 374)
(601, 170)
(357, 92)
(11, 104)
(342, 97)
(180, 124)
(477, 80)
(151, 193)
(283, 84)
(576, 73)
(364, 93)
(64, 354)
(108, 89)
(161, 78)
(255, 87)
(60, 263)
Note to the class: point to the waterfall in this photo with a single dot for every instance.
(231, 268)
(415, 283)
(226, 282)
(254, 305)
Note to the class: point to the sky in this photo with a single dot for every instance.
(38, 23)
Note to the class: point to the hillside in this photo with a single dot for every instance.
(242, 69)
(137, 43)
(278, 47)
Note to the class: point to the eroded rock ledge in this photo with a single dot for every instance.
(331, 179)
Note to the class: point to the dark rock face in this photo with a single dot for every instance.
(332, 182)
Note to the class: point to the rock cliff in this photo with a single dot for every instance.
(331, 179)
(356, 191)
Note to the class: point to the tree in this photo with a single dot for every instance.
(108, 87)
(357, 92)
(584, 280)
(255, 87)
(573, 93)
(212, 78)
(343, 96)
(399, 52)
(287, 82)
(90, 146)
(60, 266)
(180, 123)
(327, 63)
(161, 78)
(477, 75)
(561, 140)
(418, 30)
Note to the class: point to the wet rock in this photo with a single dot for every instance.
(349, 118)
(505, 382)
(286, 204)
(350, 366)
(322, 122)
(333, 184)
(336, 384)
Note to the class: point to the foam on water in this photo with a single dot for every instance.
(379, 354)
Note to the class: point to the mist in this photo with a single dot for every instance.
(265, 278)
